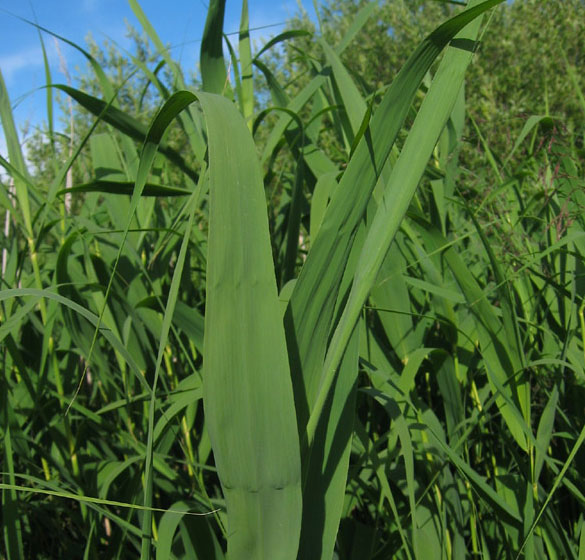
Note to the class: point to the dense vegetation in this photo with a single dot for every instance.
(325, 301)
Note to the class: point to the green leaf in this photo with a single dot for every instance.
(203, 540)
(11, 530)
(404, 179)
(213, 71)
(245, 51)
(123, 122)
(284, 36)
(544, 432)
(125, 187)
(309, 319)
(248, 395)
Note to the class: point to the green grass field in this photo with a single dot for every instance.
(283, 320)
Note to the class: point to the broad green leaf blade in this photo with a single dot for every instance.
(213, 71)
(248, 396)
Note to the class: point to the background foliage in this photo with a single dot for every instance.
(454, 422)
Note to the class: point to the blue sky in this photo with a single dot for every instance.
(178, 23)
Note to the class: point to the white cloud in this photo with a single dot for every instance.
(27, 58)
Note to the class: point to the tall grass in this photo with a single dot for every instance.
(371, 365)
